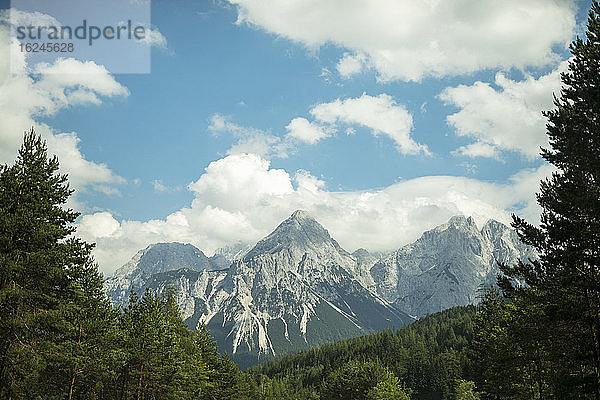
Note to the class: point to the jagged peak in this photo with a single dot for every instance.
(459, 222)
(461, 219)
(171, 245)
(300, 229)
(493, 224)
(361, 253)
(165, 256)
(301, 215)
(300, 220)
(172, 248)
(494, 228)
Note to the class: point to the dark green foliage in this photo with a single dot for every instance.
(59, 336)
(464, 390)
(362, 380)
(541, 339)
(54, 314)
(162, 359)
(155, 343)
(510, 348)
(427, 356)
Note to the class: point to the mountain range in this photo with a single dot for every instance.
(298, 288)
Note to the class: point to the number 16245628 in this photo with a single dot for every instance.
(47, 47)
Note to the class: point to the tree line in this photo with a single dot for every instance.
(428, 359)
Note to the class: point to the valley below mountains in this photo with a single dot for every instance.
(298, 288)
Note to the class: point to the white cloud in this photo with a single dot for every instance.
(26, 18)
(101, 224)
(351, 64)
(380, 113)
(246, 174)
(154, 37)
(69, 73)
(305, 131)
(107, 190)
(409, 40)
(249, 140)
(241, 198)
(220, 123)
(507, 118)
(26, 97)
(159, 186)
(478, 149)
(264, 144)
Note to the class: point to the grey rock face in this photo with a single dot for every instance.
(447, 265)
(155, 259)
(298, 288)
(294, 289)
(224, 256)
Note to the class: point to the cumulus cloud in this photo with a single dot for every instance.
(305, 131)
(242, 198)
(409, 40)
(508, 118)
(478, 149)
(101, 224)
(381, 114)
(249, 140)
(31, 92)
(246, 174)
(351, 64)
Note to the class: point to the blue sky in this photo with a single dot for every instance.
(148, 136)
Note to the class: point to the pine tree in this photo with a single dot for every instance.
(162, 358)
(566, 279)
(54, 314)
(362, 380)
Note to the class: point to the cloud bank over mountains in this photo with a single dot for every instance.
(240, 198)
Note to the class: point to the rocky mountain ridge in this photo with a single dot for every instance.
(298, 288)
(447, 265)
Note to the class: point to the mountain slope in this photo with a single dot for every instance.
(155, 259)
(447, 265)
(295, 289)
(427, 355)
(298, 288)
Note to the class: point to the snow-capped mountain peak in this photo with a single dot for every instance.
(298, 288)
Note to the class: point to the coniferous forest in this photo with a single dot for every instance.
(536, 335)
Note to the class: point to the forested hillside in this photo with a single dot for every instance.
(429, 356)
